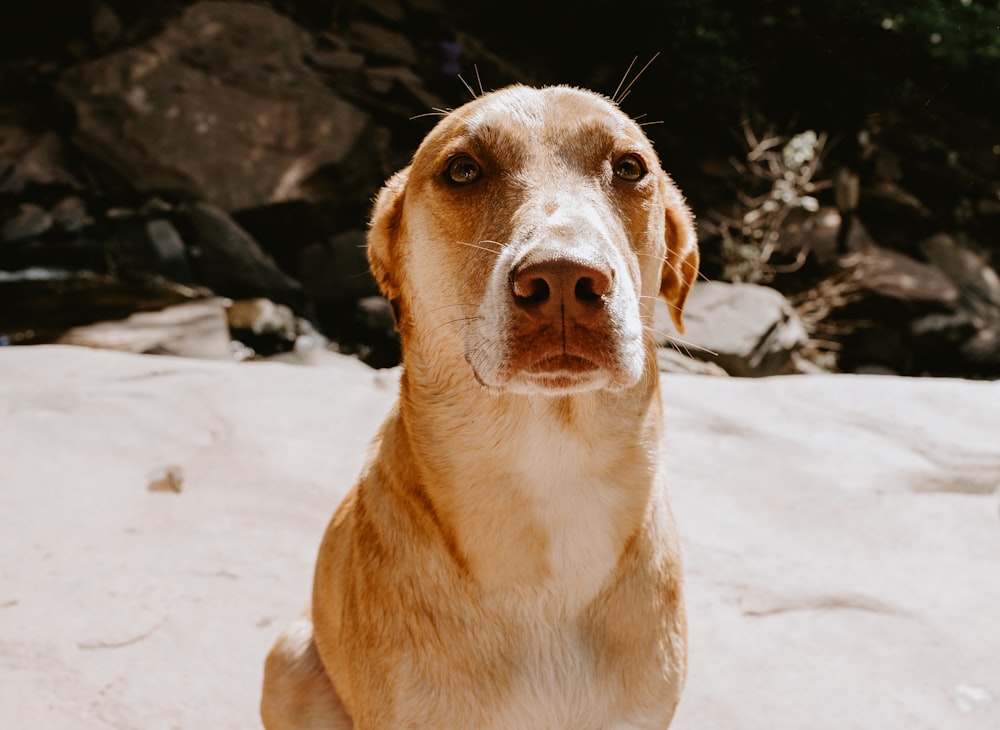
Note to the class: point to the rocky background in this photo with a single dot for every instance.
(194, 177)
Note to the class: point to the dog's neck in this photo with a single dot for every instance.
(538, 493)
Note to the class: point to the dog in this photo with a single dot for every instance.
(507, 558)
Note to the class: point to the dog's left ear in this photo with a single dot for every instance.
(680, 269)
(384, 232)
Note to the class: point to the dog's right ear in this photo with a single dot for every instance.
(384, 232)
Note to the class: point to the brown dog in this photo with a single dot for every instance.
(508, 558)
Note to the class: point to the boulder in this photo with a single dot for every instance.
(262, 325)
(226, 259)
(29, 221)
(219, 106)
(38, 305)
(747, 330)
(31, 151)
(970, 271)
(819, 235)
(196, 329)
(894, 275)
(979, 287)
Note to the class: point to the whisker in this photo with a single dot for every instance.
(456, 304)
(478, 80)
(453, 321)
(674, 268)
(678, 342)
(481, 248)
(628, 88)
(467, 87)
(433, 113)
(657, 298)
(614, 96)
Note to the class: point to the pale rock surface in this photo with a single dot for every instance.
(746, 329)
(196, 328)
(159, 519)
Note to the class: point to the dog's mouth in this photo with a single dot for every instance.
(559, 374)
(564, 373)
(562, 364)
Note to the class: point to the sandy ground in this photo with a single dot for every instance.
(159, 519)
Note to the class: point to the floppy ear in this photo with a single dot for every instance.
(384, 231)
(681, 266)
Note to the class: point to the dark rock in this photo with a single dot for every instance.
(219, 106)
(343, 192)
(896, 276)
(226, 259)
(336, 277)
(336, 271)
(37, 306)
(283, 230)
(169, 247)
(106, 26)
(746, 329)
(29, 222)
(877, 346)
(983, 350)
(817, 235)
(942, 327)
(936, 341)
(71, 215)
(375, 331)
(970, 271)
(262, 325)
(337, 59)
(123, 243)
(391, 10)
(894, 216)
(31, 151)
(383, 44)
(394, 79)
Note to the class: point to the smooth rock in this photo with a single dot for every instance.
(196, 329)
(746, 329)
(841, 539)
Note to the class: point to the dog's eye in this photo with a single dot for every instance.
(629, 168)
(463, 170)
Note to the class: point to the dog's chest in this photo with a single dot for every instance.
(555, 684)
(576, 510)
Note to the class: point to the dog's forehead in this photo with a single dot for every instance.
(551, 116)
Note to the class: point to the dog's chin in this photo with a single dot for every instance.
(558, 376)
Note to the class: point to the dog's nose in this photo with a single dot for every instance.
(560, 286)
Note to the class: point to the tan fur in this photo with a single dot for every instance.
(508, 558)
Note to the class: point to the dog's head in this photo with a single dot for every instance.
(528, 240)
